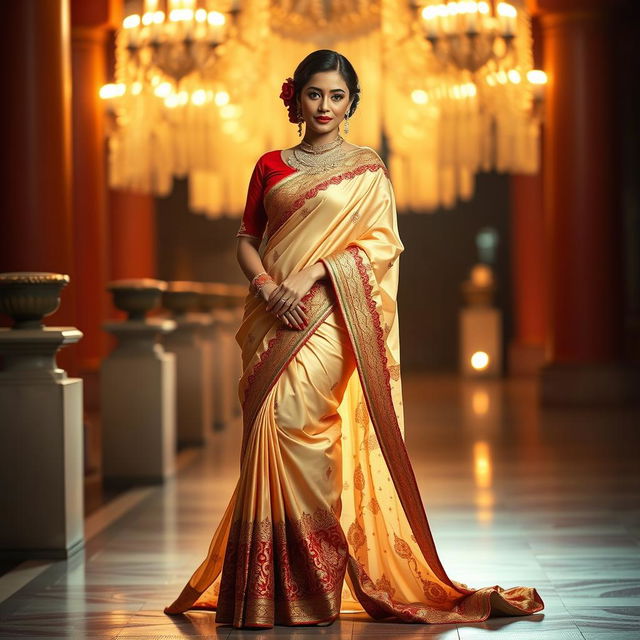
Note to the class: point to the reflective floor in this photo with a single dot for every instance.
(515, 496)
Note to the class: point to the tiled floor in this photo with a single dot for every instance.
(515, 496)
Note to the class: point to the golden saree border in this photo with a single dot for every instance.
(475, 607)
(287, 572)
(291, 193)
(351, 275)
(351, 280)
(281, 349)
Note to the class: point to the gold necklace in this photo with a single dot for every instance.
(317, 161)
(321, 148)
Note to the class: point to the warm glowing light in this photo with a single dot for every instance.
(481, 275)
(183, 97)
(171, 101)
(419, 96)
(150, 5)
(480, 402)
(109, 91)
(147, 19)
(483, 7)
(181, 15)
(514, 76)
(163, 90)
(429, 13)
(501, 76)
(480, 360)
(453, 8)
(506, 10)
(136, 88)
(201, 15)
(131, 22)
(216, 18)
(158, 17)
(230, 111)
(222, 98)
(537, 76)
(199, 97)
(482, 464)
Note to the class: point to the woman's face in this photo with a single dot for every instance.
(324, 100)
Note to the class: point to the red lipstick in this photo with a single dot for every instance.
(323, 119)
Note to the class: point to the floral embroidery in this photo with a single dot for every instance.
(373, 506)
(384, 584)
(356, 536)
(362, 415)
(401, 547)
(358, 478)
(306, 580)
(370, 443)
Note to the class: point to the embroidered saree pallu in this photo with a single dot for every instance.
(326, 515)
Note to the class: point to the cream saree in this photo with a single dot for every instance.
(326, 515)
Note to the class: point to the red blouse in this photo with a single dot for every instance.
(269, 170)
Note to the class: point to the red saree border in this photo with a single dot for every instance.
(281, 349)
(358, 306)
(349, 271)
(312, 192)
(285, 572)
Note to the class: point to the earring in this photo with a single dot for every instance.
(346, 123)
(300, 121)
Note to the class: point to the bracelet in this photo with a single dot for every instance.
(258, 281)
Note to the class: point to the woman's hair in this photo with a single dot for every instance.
(327, 60)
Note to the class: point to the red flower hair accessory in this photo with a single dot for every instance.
(288, 97)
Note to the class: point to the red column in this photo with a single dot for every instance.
(585, 311)
(36, 227)
(528, 262)
(526, 352)
(133, 235)
(89, 186)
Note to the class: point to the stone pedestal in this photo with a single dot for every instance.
(138, 398)
(225, 378)
(41, 475)
(193, 378)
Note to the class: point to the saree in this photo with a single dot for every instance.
(327, 516)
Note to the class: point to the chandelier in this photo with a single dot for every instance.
(469, 34)
(450, 86)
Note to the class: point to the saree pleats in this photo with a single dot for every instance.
(327, 516)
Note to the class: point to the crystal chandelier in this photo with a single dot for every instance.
(450, 86)
(469, 34)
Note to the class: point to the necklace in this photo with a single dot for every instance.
(310, 159)
(321, 148)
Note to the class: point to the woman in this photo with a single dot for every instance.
(326, 513)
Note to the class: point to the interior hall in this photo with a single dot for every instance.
(509, 132)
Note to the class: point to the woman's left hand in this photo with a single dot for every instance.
(290, 291)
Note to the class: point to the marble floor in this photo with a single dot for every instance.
(515, 495)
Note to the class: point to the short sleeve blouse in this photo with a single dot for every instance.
(269, 170)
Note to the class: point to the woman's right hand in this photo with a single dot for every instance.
(294, 317)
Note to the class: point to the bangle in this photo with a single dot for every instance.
(258, 281)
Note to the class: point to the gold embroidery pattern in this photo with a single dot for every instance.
(291, 193)
(288, 573)
(354, 291)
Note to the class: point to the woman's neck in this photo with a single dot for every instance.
(318, 139)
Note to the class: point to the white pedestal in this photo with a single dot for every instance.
(138, 399)
(193, 379)
(480, 331)
(41, 440)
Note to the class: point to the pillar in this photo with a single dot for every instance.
(36, 227)
(88, 64)
(529, 293)
(584, 339)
